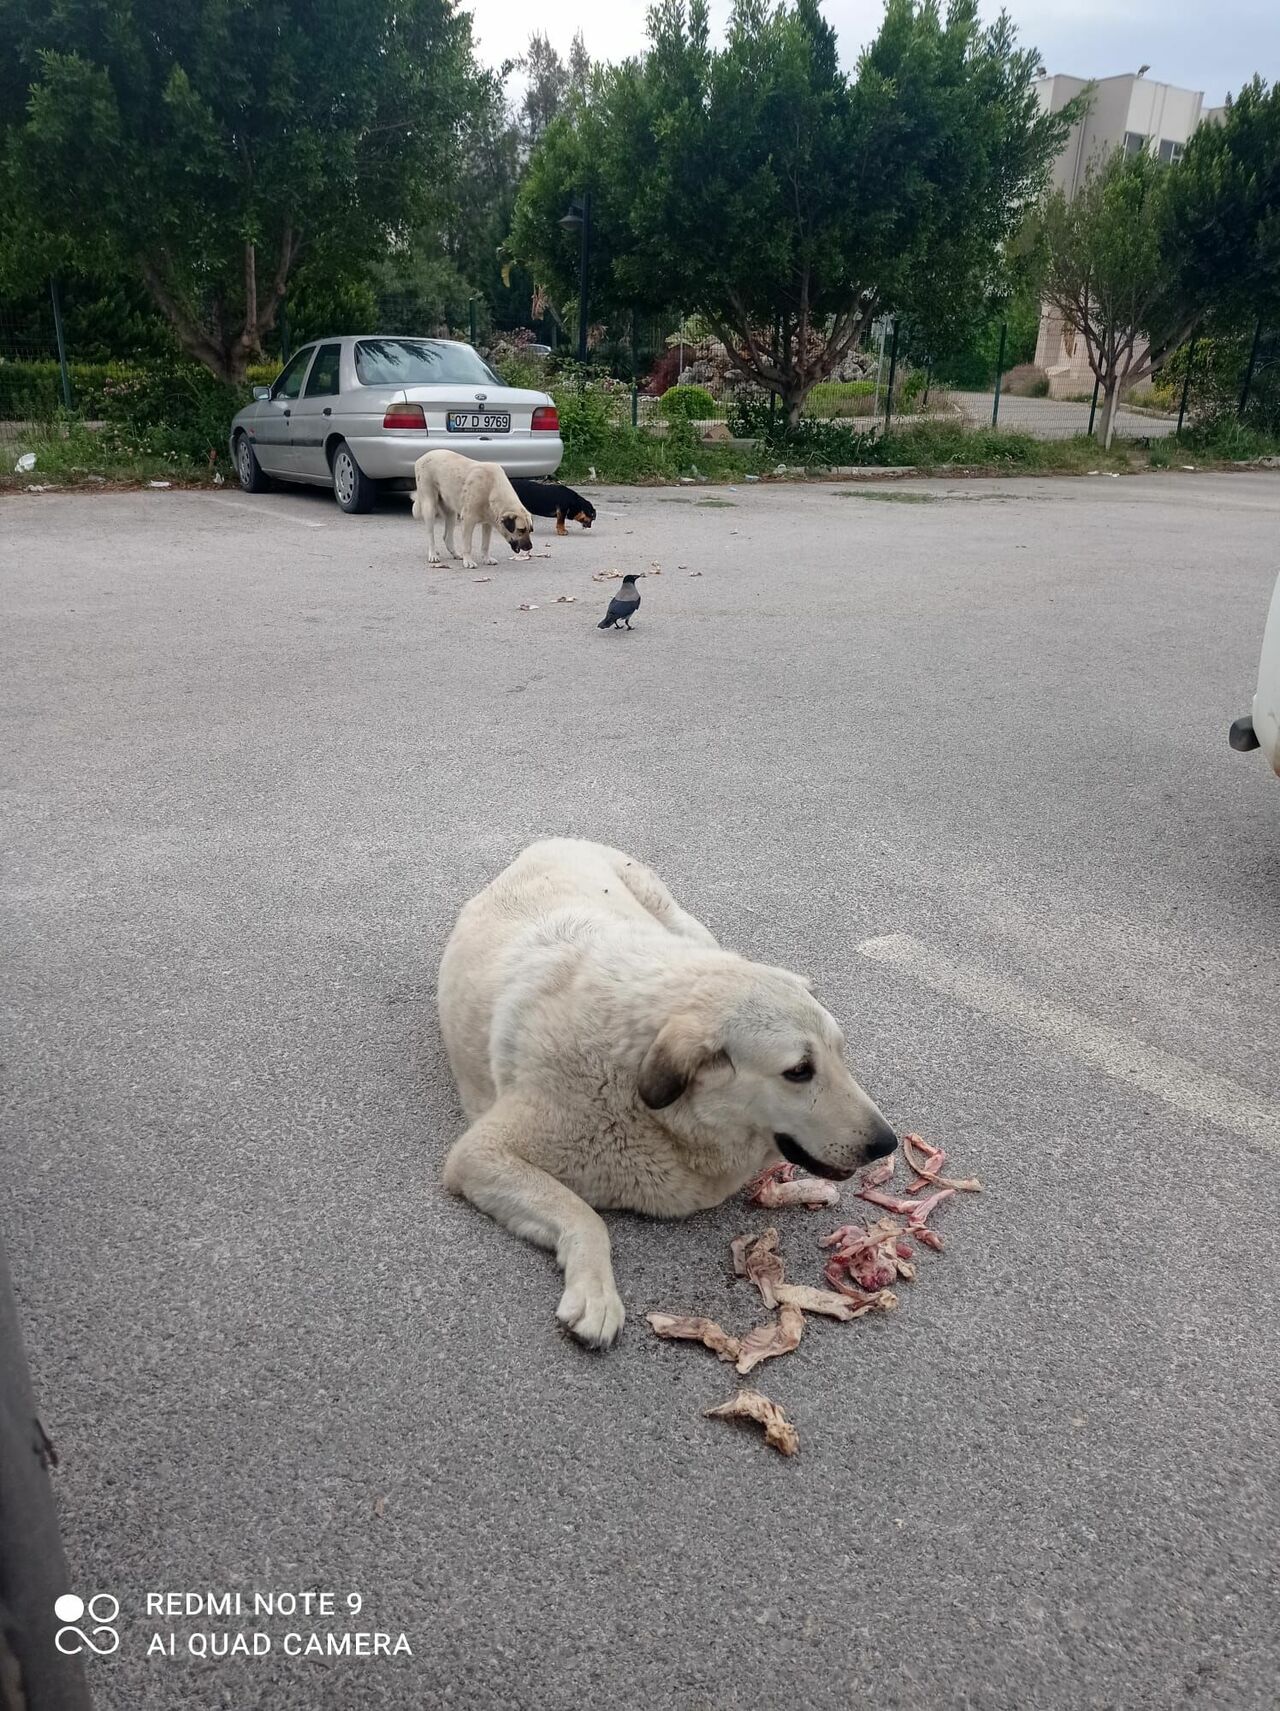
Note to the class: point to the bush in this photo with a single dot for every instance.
(664, 374)
(104, 391)
(687, 404)
(1026, 381)
(515, 368)
(814, 440)
(1218, 364)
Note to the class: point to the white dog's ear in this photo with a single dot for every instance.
(684, 1048)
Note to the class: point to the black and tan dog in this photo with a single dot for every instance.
(550, 499)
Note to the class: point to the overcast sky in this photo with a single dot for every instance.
(1193, 43)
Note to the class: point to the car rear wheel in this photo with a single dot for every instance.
(352, 488)
(253, 478)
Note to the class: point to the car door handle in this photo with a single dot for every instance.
(288, 412)
(328, 410)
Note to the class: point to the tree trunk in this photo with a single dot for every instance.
(225, 352)
(794, 393)
(1109, 411)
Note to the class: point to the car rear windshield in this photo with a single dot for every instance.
(420, 362)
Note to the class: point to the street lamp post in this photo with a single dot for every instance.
(579, 217)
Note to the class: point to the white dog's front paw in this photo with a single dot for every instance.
(491, 560)
(592, 1309)
(468, 564)
(433, 558)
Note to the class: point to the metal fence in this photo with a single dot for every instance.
(650, 373)
(1220, 375)
(35, 378)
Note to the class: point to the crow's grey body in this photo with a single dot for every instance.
(623, 606)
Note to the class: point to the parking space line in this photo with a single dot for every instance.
(258, 511)
(1183, 1085)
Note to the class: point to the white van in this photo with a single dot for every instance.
(1261, 728)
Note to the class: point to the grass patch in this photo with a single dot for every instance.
(71, 454)
(841, 398)
(130, 454)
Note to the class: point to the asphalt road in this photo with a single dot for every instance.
(1058, 418)
(959, 754)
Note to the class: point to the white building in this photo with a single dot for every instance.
(1127, 112)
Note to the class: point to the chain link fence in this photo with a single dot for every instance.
(677, 370)
(35, 377)
(651, 373)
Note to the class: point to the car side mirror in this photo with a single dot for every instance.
(261, 392)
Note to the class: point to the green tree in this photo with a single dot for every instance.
(1224, 213)
(207, 147)
(546, 88)
(1109, 271)
(783, 201)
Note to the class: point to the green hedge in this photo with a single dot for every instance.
(176, 410)
(687, 404)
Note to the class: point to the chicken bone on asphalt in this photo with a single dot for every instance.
(779, 1337)
(751, 1405)
(681, 1328)
(757, 1257)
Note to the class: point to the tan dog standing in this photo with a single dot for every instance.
(451, 488)
(609, 1053)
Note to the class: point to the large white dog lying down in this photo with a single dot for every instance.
(609, 1053)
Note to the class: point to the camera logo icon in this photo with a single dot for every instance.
(102, 1610)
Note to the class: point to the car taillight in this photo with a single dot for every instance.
(405, 416)
(546, 420)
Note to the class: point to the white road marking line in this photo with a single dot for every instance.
(259, 511)
(1185, 1086)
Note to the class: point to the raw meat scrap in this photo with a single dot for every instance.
(750, 1405)
(783, 1185)
(677, 1328)
(759, 1260)
(875, 1175)
(878, 1301)
(875, 1256)
(927, 1162)
(778, 1337)
(916, 1222)
(890, 1202)
(811, 1300)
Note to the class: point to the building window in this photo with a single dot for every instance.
(1134, 143)
(1170, 152)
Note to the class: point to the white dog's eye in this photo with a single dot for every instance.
(802, 1071)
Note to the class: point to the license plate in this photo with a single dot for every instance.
(479, 421)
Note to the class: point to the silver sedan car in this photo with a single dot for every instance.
(356, 414)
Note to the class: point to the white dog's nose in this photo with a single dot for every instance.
(883, 1141)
